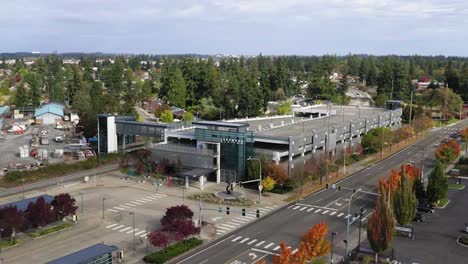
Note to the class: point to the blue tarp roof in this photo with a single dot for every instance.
(23, 204)
(4, 109)
(49, 108)
(85, 255)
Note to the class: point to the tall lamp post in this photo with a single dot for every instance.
(134, 241)
(333, 234)
(260, 182)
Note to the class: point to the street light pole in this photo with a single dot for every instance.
(331, 252)
(134, 241)
(361, 212)
(260, 182)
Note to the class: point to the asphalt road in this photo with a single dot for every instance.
(261, 239)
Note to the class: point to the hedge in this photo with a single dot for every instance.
(172, 251)
(51, 230)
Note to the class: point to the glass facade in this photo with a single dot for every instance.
(104, 259)
(102, 129)
(236, 147)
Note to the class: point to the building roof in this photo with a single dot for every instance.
(220, 124)
(57, 104)
(23, 204)
(85, 255)
(4, 109)
(49, 108)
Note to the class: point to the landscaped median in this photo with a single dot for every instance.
(172, 251)
(7, 243)
(51, 230)
(442, 203)
(456, 186)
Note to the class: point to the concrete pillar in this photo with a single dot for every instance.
(218, 163)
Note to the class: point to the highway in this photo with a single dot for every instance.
(261, 239)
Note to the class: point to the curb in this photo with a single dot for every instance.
(445, 205)
(455, 188)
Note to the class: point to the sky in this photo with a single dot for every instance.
(242, 27)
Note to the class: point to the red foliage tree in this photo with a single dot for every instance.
(158, 239)
(39, 213)
(64, 205)
(184, 228)
(448, 151)
(11, 217)
(175, 213)
(277, 173)
(411, 171)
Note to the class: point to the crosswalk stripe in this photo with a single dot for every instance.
(318, 210)
(131, 231)
(137, 203)
(326, 211)
(271, 208)
(148, 200)
(233, 223)
(124, 206)
(333, 213)
(251, 242)
(219, 233)
(239, 221)
(276, 248)
(119, 208)
(303, 208)
(125, 229)
(237, 238)
(140, 201)
(144, 235)
(151, 198)
(231, 226)
(225, 228)
(259, 243)
(243, 240)
(139, 233)
(109, 226)
(296, 207)
(159, 194)
(118, 227)
(269, 245)
(363, 219)
(347, 216)
(289, 207)
(310, 209)
(249, 217)
(112, 210)
(129, 204)
(340, 214)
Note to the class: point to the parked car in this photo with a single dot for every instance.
(418, 218)
(58, 138)
(425, 210)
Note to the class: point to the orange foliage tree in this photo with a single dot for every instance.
(448, 151)
(391, 183)
(287, 257)
(277, 173)
(411, 171)
(464, 136)
(313, 243)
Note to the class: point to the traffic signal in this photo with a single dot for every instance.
(326, 186)
(339, 187)
(227, 210)
(220, 209)
(258, 213)
(243, 211)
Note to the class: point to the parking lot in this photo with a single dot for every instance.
(435, 237)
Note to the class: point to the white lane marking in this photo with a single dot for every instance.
(332, 213)
(131, 231)
(231, 226)
(311, 209)
(119, 208)
(125, 229)
(264, 251)
(112, 210)
(118, 227)
(340, 214)
(297, 206)
(269, 245)
(109, 226)
(276, 248)
(324, 212)
(243, 240)
(318, 210)
(251, 242)
(303, 208)
(237, 238)
(139, 233)
(259, 243)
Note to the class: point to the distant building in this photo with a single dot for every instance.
(99, 253)
(49, 114)
(22, 205)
